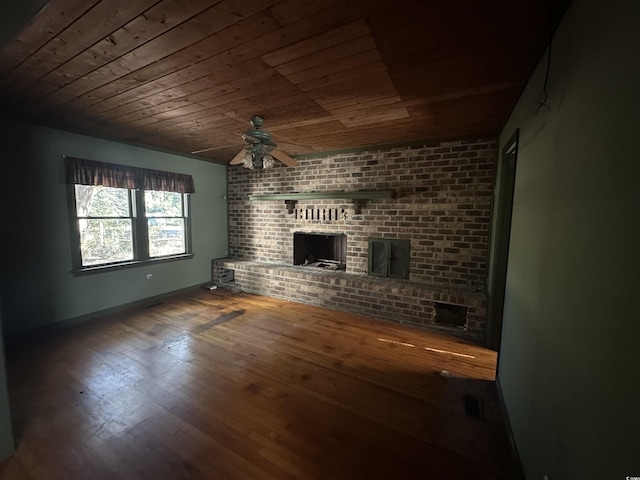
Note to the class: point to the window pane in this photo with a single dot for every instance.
(105, 241)
(163, 204)
(166, 236)
(96, 201)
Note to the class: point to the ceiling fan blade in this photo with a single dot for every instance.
(295, 147)
(195, 152)
(284, 158)
(238, 158)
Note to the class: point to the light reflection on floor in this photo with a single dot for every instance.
(435, 350)
(118, 396)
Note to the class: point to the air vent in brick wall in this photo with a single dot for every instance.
(320, 214)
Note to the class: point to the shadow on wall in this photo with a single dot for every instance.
(29, 226)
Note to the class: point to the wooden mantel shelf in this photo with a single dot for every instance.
(323, 195)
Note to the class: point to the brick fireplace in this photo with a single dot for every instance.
(440, 208)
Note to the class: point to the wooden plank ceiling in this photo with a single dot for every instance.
(186, 75)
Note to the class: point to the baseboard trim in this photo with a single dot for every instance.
(43, 330)
(512, 441)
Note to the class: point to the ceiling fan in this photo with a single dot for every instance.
(260, 149)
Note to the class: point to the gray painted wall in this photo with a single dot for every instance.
(569, 360)
(36, 283)
(6, 433)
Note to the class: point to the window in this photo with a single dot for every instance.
(105, 223)
(166, 221)
(389, 257)
(115, 223)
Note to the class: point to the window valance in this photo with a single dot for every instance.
(91, 172)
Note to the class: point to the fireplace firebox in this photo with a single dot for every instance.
(325, 250)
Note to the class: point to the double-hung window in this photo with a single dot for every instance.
(126, 216)
(105, 224)
(167, 221)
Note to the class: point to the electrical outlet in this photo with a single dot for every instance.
(148, 276)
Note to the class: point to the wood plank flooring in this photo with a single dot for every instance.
(224, 385)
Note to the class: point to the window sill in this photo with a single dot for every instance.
(137, 263)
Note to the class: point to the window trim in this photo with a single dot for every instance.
(111, 267)
(139, 232)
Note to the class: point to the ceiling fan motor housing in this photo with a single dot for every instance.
(255, 135)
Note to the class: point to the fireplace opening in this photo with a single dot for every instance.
(324, 250)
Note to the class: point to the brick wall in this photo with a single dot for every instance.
(442, 205)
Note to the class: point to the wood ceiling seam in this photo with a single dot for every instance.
(318, 42)
(355, 73)
(52, 18)
(183, 118)
(386, 94)
(156, 99)
(291, 11)
(57, 110)
(353, 94)
(362, 117)
(203, 123)
(96, 52)
(209, 101)
(202, 119)
(327, 56)
(101, 77)
(221, 79)
(362, 104)
(137, 91)
(351, 62)
(95, 21)
(238, 75)
(208, 135)
(303, 105)
(277, 36)
(422, 101)
(141, 92)
(160, 81)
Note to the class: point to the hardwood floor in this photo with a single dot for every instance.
(223, 385)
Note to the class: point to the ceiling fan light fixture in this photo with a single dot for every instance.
(247, 161)
(267, 161)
